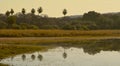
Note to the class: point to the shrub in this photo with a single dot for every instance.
(3, 25)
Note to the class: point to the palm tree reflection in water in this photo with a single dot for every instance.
(64, 54)
(23, 57)
(40, 57)
(12, 57)
(33, 57)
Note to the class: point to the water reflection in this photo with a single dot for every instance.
(12, 57)
(101, 45)
(96, 46)
(40, 57)
(0, 59)
(95, 53)
(23, 57)
(64, 54)
(33, 57)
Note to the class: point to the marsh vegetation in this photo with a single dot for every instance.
(59, 33)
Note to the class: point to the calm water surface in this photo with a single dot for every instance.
(84, 55)
(65, 57)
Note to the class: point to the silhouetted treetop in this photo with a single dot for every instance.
(23, 11)
(33, 11)
(40, 10)
(64, 12)
(7, 13)
(12, 11)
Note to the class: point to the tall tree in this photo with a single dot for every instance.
(23, 11)
(12, 11)
(92, 16)
(40, 10)
(7, 13)
(33, 11)
(64, 12)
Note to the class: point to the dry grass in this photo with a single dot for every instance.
(57, 33)
(48, 40)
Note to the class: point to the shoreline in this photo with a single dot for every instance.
(48, 40)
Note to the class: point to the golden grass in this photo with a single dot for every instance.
(48, 40)
(57, 33)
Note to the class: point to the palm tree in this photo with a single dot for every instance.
(23, 11)
(7, 13)
(64, 12)
(40, 10)
(12, 11)
(33, 11)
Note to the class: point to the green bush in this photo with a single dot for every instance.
(3, 25)
(15, 26)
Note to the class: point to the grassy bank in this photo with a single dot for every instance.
(57, 33)
(11, 50)
(3, 65)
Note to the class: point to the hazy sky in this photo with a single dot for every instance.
(54, 7)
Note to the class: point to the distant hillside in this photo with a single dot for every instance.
(75, 16)
(112, 13)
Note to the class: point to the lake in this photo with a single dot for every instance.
(96, 53)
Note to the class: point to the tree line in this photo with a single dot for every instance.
(23, 11)
(88, 21)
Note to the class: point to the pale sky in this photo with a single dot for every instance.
(54, 8)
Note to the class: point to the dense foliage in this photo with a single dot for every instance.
(89, 21)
